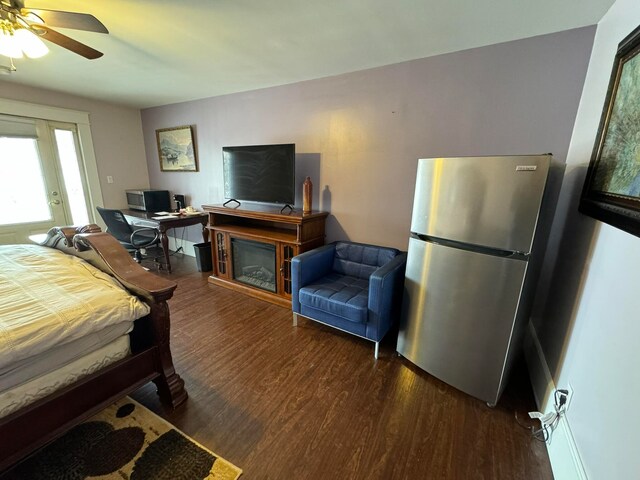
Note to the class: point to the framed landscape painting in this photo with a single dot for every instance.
(176, 149)
(612, 188)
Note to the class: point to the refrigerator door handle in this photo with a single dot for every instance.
(496, 252)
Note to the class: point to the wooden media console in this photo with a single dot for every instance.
(252, 247)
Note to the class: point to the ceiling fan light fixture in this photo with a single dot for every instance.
(30, 44)
(9, 45)
(22, 30)
(8, 69)
(32, 17)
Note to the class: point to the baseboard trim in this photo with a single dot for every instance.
(563, 453)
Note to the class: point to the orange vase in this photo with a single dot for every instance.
(307, 188)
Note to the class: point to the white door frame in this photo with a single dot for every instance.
(81, 119)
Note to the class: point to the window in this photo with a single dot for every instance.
(22, 184)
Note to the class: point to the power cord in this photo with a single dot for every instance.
(549, 421)
(541, 434)
(179, 249)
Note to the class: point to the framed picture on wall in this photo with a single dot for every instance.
(612, 188)
(176, 149)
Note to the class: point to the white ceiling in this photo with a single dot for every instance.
(160, 52)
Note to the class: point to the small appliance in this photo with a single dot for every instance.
(149, 200)
(180, 201)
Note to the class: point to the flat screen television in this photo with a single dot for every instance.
(260, 173)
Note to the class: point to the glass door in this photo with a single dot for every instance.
(287, 252)
(42, 184)
(74, 185)
(254, 263)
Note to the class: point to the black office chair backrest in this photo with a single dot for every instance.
(117, 224)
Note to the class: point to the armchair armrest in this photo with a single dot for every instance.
(307, 267)
(385, 292)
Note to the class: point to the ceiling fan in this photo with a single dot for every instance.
(15, 17)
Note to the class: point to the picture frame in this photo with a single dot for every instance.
(611, 190)
(177, 149)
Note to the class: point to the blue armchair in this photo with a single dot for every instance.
(353, 287)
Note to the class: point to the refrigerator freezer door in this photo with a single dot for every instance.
(458, 315)
(491, 201)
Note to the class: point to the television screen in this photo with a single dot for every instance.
(260, 173)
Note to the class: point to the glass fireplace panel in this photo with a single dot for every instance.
(254, 263)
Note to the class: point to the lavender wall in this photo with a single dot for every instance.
(359, 135)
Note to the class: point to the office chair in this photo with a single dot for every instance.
(131, 239)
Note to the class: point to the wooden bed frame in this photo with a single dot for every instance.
(27, 429)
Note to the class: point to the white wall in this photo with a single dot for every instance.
(116, 132)
(587, 320)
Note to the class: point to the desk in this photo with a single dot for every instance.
(145, 219)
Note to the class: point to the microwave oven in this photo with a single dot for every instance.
(149, 200)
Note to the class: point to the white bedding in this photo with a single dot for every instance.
(39, 387)
(19, 372)
(41, 307)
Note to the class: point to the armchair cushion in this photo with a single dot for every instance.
(341, 295)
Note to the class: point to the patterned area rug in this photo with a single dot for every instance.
(125, 441)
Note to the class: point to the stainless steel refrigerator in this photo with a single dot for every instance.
(478, 233)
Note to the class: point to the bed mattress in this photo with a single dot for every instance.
(39, 387)
(22, 371)
(49, 299)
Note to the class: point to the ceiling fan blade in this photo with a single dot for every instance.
(66, 42)
(57, 18)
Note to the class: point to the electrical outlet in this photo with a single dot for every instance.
(569, 396)
(109, 179)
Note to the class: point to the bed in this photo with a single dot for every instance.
(81, 325)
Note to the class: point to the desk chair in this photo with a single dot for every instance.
(131, 239)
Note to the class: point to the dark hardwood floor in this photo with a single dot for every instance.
(312, 403)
